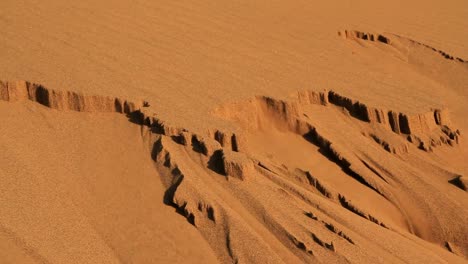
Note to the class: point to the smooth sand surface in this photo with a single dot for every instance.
(233, 131)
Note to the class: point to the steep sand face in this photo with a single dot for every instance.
(233, 132)
(247, 187)
(95, 197)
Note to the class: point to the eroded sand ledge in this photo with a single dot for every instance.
(419, 128)
(190, 165)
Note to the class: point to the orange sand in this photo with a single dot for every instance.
(233, 131)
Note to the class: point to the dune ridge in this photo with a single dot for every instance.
(419, 128)
(64, 100)
(425, 130)
(393, 41)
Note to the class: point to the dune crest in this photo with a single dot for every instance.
(401, 43)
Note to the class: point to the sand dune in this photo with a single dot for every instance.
(233, 132)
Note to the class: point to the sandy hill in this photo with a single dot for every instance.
(233, 131)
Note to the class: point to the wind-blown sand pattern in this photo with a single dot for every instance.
(233, 132)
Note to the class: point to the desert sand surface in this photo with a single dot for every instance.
(233, 131)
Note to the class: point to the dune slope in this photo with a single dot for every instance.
(257, 189)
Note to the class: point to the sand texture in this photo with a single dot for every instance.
(233, 131)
